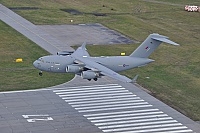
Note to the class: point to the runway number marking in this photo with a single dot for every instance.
(34, 118)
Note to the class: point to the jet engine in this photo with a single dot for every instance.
(73, 69)
(89, 75)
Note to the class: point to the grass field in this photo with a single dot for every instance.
(174, 77)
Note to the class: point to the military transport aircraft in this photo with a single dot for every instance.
(81, 63)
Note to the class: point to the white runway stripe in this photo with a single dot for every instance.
(117, 108)
(178, 131)
(143, 127)
(115, 105)
(82, 87)
(138, 124)
(134, 99)
(154, 130)
(130, 118)
(105, 103)
(100, 98)
(88, 89)
(104, 92)
(121, 112)
(124, 115)
(97, 95)
(133, 121)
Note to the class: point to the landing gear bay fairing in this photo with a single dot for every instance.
(81, 63)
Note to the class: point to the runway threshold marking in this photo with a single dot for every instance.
(113, 108)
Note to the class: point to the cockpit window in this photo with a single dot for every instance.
(40, 59)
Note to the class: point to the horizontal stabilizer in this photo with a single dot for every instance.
(165, 40)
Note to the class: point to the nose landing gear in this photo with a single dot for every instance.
(40, 73)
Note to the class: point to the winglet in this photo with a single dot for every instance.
(83, 46)
(134, 80)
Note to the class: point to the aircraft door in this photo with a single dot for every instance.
(50, 68)
(55, 68)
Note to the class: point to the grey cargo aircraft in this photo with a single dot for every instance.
(81, 63)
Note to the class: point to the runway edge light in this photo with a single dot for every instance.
(19, 60)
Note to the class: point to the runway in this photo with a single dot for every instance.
(81, 106)
(87, 108)
(113, 108)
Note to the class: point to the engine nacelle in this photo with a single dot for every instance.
(73, 69)
(65, 53)
(89, 75)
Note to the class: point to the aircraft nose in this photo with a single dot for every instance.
(35, 64)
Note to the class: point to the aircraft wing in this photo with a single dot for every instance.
(90, 64)
(81, 55)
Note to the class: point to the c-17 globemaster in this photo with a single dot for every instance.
(81, 63)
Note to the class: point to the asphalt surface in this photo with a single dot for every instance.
(80, 106)
(89, 33)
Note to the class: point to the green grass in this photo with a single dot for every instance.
(174, 77)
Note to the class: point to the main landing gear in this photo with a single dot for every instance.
(95, 79)
(40, 73)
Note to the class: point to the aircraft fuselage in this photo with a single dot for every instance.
(56, 63)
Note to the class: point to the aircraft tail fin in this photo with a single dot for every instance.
(150, 44)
